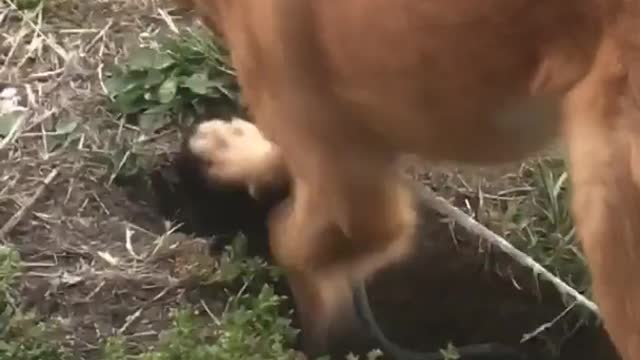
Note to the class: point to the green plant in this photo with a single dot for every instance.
(550, 234)
(28, 4)
(176, 80)
(251, 328)
(9, 271)
(114, 349)
(234, 264)
(450, 353)
(21, 335)
(254, 327)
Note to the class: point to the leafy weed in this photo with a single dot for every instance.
(177, 80)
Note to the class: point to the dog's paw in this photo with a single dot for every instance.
(233, 151)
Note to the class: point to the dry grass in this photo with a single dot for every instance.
(94, 264)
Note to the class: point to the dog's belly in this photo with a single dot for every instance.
(505, 134)
(479, 83)
(508, 134)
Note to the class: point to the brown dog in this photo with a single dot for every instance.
(346, 87)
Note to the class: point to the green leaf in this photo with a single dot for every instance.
(65, 134)
(8, 121)
(27, 4)
(66, 126)
(115, 85)
(142, 59)
(154, 77)
(162, 60)
(151, 96)
(199, 83)
(55, 141)
(168, 89)
(120, 83)
(131, 101)
(151, 122)
(159, 109)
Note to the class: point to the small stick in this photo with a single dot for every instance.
(18, 216)
(528, 336)
(445, 208)
(130, 320)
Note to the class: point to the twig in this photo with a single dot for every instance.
(211, 315)
(91, 274)
(18, 216)
(444, 207)
(167, 19)
(528, 336)
(135, 316)
(56, 48)
(35, 122)
(130, 320)
(97, 37)
(128, 235)
(95, 291)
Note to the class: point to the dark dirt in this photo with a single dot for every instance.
(457, 291)
(79, 276)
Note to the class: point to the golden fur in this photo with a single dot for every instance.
(341, 89)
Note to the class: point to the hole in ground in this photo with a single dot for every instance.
(447, 292)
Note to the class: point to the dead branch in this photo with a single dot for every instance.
(20, 214)
(445, 208)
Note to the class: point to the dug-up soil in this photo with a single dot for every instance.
(455, 288)
(98, 263)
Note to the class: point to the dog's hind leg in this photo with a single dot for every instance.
(603, 133)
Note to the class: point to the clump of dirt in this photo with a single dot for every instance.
(454, 289)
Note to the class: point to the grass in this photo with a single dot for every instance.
(535, 216)
(23, 338)
(251, 327)
(550, 236)
(173, 81)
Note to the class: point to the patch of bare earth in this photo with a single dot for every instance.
(97, 264)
